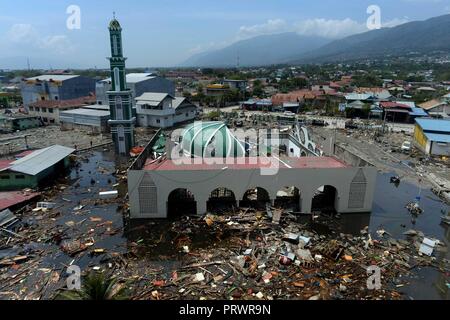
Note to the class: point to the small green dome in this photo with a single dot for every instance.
(114, 25)
(211, 140)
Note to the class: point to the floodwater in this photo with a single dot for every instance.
(156, 241)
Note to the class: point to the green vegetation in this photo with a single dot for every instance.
(96, 286)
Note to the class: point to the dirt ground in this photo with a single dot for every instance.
(47, 136)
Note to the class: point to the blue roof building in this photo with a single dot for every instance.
(433, 136)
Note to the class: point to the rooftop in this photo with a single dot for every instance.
(88, 112)
(250, 163)
(73, 103)
(136, 77)
(53, 77)
(434, 125)
(153, 98)
(10, 199)
(39, 160)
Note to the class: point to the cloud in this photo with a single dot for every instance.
(269, 27)
(209, 47)
(26, 35)
(395, 22)
(332, 29)
(20, 33)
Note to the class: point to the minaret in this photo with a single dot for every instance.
(120, 97)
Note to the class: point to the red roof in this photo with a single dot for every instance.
(5, 164)
(250, 163)
(10, 199)
(73, 103)
(390, 104)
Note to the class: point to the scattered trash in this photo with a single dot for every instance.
(414, 208)
(427, 247)
(108, 194)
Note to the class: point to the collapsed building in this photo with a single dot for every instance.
(207, 166)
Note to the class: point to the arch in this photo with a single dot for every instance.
(325, 199)
(221, 199)
(255, 198)
(303, 154)
(288, 198)
(181, 202)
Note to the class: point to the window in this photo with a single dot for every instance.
(187, 114)
(117, 79)
(31, 108)
(20, 176)
(44, 109)
(158, 121)
(37, 109)
(50, 110)
(4, 177)
(43, 98)
(56, 98)
(292, 150)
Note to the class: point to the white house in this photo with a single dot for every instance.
(162, 110)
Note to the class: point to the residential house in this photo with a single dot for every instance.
(161, 110)
(49, 111)
(437, 108)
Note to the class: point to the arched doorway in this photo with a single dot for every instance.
(325, 200)
(288, 198)
(181, 202)
(256, 198)
(221, 200)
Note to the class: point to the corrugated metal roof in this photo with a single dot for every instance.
(97, 107)
(40, 160)
(434, 125)
(358, 96)
(9, 199)
(418, 112)
(136, 77)
(153, 98)
(87, 112)
(438, 137)
(54, 77)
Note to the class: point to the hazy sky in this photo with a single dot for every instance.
(166, 32)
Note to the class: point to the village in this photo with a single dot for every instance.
(89, 181)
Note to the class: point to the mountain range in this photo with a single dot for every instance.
(290, 48)
(258, 51)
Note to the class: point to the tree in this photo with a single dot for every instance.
(96, 286)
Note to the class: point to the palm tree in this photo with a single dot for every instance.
(96, 286)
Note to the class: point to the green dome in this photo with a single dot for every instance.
(211, 139)
(115, 25)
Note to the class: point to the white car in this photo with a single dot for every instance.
(406, 146)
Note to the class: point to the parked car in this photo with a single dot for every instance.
(406, 146)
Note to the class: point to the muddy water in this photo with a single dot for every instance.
(389, 213)
(156, 242)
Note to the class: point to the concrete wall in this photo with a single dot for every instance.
(202, 183)
(349, 157)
